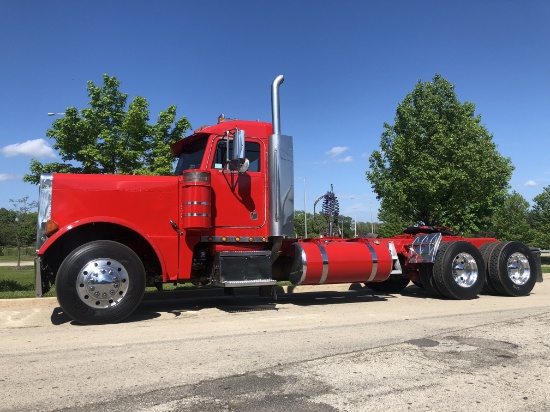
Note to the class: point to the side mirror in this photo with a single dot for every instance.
(239, 164)
(238, 161)
(238, 145)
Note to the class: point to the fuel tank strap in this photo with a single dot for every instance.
(324, 273)
(374, 261)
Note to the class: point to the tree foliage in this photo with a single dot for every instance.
(345, 224)
(18, 226)
(540, 219)
(391, 224)
(510, 221)
(109, 137)
(437, 164)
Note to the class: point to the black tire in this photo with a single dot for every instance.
(512, 269)
(427, 279)
(419, 284)
(393, 284)
(459, 270)
(486, 250)
(100, 282)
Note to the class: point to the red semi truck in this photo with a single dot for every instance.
(226, 219)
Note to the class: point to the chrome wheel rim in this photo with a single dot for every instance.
(465, 270)
(102, 283)
(518, 268)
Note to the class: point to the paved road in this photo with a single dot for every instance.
(316, 351)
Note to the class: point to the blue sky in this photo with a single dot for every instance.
(347, 64)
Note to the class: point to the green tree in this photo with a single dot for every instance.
(540, 219)
(299, 225)
(365, 228)
(391, 224)
(314, 229)
(6, 228)
(438, 165)
(19, 225)
(109, 137)
(346, 226)
(510, 221)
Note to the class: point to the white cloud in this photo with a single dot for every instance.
(337, 151)
(4, 177)
(347, 159)
(36, 148)
(530, 183)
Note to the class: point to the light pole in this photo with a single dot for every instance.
(305, 211)
(355, 222)
(371, 221)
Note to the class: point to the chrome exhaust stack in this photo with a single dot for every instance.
(275, 105)
(281, 172)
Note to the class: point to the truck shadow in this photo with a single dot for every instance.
(173, 303)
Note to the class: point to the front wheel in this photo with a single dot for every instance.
(100, 282)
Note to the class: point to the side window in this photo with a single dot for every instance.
(252, 153)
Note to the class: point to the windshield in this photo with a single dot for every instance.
(191, 155)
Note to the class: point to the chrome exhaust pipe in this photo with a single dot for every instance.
(275, 106)
(281, 174)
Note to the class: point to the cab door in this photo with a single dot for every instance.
(239, 199)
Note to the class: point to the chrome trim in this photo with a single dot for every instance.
(44, 208)
(424, 248)
(233, 239)
(275, 103)
(324, 273)
(243, 283)
(304, 265)
(197, 214)
(38, 276)
(198, 203)
(396, 265)
(102, 283)
(518, 268)
(374, 261)
(280, 172)
(190, 177)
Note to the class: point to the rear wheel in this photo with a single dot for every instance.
(394, 284)
(486, 250)
(512, 269)
(459, 270)
(427, 279)
(100, 282)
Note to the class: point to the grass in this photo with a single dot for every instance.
(15, 284)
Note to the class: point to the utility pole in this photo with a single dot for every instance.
(305, 211)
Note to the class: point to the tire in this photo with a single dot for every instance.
(486, 250)
(393, 284)
(427, 279)
(459, 270)
(512, 269)
(100, 282)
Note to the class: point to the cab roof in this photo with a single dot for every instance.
(252, 128)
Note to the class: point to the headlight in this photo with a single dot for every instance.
(44, 210)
